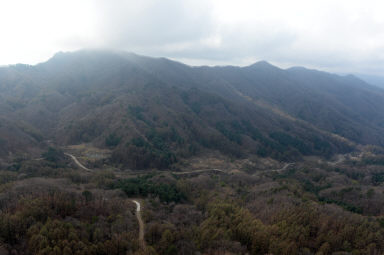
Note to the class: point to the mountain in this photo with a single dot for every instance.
(376, 80)
(153, 112)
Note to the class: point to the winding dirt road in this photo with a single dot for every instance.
(199, 171)
(77, 162)
(285, 167)
(141, 224)
(138, 205)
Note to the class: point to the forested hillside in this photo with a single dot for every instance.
(106, 152)
(154, 112)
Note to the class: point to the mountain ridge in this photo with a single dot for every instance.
(160, 110)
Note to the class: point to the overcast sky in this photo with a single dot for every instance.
(333, 35)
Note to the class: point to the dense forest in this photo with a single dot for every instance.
(311, 207)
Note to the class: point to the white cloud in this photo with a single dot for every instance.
(31, 31)
(343, 35)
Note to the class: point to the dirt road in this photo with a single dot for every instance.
(141, 224)
(199, 171)
(77, 162)
(138, 205)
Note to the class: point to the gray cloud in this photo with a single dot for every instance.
(317, 35)
(153, 24)
(339, 36)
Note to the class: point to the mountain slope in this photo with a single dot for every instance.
(153, 112)
(376, 80)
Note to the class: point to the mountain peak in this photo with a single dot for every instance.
(263, 65)
(297, 68)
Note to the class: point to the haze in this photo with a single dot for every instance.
(336, 36)
(274, 144)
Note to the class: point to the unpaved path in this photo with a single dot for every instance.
(141, 224)
(285, 167)
(199, 171)
(77, 162)
(138, 205)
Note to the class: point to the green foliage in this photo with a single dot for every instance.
(152, 152)
(344, 205)
(143, 186)
(139, 142)
(321, 145)
(370, 193)
(377, 178)
(87, 195)
(381, 221)
(112, 140)
(53, 155)
(308, 186)
(233, 133)
(290, 141)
